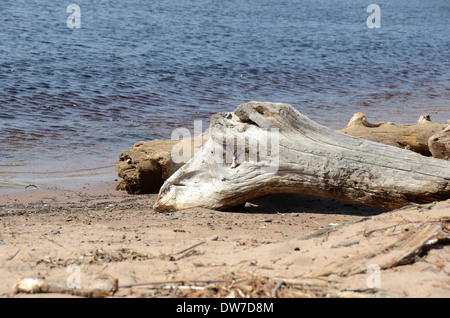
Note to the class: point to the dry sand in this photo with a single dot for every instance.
(109, 232)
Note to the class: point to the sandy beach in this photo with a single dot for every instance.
(97, 93)
(108, 232)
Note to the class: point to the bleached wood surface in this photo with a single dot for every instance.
(308, 159)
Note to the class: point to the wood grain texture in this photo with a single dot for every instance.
(307, 158)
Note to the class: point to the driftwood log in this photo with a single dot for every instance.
(101, 287)
(294, 154)
(439, 144)
(146, 165)
(411, 137)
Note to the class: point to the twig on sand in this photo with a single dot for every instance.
(190, 247)
(160, 284)
(54, 242)
(15, 254)
(186, 251)
(344, 244)
(277, 286)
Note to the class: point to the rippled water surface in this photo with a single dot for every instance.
(72, 99)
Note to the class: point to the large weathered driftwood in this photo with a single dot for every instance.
(411, 137)
(306, 158)
(146, 165)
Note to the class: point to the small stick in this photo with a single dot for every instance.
(367, 234)
(277, 286)
(54, 242)
(14, 255)
(344, 244)
(183, 252)
(190, 247)
(173, 282)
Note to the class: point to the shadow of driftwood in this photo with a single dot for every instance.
(295, 203)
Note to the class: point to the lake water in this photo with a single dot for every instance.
(71, 99)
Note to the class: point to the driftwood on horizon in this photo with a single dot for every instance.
(296, 155)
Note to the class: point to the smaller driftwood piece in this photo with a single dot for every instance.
(411, 137)
(266, 148)
(146, 165)
(101, 287)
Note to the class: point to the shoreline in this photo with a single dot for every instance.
(87, 166)
(11, 183)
